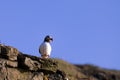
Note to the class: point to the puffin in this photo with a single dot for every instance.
(45, 47)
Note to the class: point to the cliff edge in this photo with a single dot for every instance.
(15, 65)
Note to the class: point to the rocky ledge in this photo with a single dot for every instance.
(17, 66)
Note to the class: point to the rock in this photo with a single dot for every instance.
(36, 64)
(59, 75)
(32, 65)
(12, 64)
(15, 65)
(64, 76)
(26, 62)
(49, 64)
(9, 52)
(9, 70)
(38, 76)
(9, 63)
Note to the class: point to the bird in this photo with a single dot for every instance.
(45, 47)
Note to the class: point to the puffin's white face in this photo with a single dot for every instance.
(48, 39)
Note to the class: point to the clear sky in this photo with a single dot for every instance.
(84, 31)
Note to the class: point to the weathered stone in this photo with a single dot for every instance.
(4, 62)
(9, 52)
(12, 64)
(3, 70)
(15, 65)
(37, 76)
(28, 63)
(32, 65)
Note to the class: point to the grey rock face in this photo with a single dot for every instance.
(8, 52)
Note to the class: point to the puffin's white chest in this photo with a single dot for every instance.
(45, 48)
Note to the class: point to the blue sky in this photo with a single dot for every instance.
(84, 31)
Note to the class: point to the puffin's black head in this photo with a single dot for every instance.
(48, 38)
